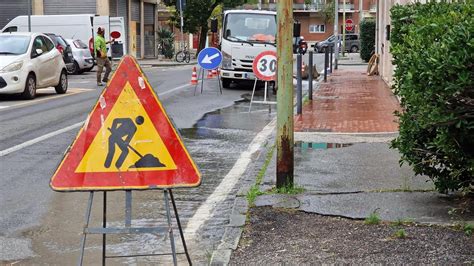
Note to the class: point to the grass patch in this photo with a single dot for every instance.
(373, 219)
(252, 194)
(401, 222)
(400, 234)
(254, 190)
(288, 189)
(468, 228)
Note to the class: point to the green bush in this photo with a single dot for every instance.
(433, 53)
(165, 42)
(367, 38)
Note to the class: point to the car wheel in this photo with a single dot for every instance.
(74, 69)
(354, 49)
(226, 82)
(61, 88)
(30, 87)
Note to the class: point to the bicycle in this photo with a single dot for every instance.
(183, 55)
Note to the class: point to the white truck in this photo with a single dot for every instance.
(245, 34)
(82, 27)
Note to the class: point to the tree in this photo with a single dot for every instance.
(197, 14)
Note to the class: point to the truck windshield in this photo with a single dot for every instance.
(13, 45)
(250, 27)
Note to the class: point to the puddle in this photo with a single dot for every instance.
(320, 145)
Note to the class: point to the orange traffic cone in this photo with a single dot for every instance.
(214, 72)
(194, 78)
(209, 74)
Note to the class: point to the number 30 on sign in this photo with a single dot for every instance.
(265, 66)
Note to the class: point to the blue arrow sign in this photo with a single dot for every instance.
(209, 58)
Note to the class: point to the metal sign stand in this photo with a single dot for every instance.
(128, 229)
(264, 97)
(201, 74)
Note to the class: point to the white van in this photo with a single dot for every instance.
(82, 27)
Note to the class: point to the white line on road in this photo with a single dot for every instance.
(38, 139)
(63, 130)
(228, 182)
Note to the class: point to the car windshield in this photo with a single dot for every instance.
(13, 44)
(250, 27)
(80, 45)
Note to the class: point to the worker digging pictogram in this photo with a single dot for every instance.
(121, 133)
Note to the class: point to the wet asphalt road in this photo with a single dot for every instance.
(216, 130)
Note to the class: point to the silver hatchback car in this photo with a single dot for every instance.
(83, 60)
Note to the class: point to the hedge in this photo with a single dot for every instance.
(367, 38)
(433, 53)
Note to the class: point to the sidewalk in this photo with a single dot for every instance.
(154, 62)
(348, 172)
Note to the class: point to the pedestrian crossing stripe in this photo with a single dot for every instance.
(127, 142)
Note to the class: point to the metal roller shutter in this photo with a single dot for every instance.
(113, 8)
(122, 12)
(135, 10)
(149, 14)
(68, 7)
(10, 9)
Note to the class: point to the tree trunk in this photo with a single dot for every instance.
(203, 37)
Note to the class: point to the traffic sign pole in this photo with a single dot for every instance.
(285, 135)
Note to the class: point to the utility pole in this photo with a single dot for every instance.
(336, 33)
(29, 15)
(182, 22)
(344, 27)
(285, 142)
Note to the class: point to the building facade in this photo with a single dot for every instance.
(382, 46)
(139, 16)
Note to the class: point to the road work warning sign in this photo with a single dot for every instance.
(127, 142)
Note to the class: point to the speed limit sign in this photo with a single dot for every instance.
(265, 66)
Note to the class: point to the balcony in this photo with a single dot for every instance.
(308, 7)
(349, 6)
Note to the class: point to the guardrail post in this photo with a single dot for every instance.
(326, 59)
(310, 74)
(299, 85)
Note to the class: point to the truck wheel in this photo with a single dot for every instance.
(354, 49)
(226, 83)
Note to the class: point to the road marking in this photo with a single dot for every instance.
(174, 89)
(72, 91)
(66, 129)
(38, 139)
(228, 182)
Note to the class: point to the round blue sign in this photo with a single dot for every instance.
(209, 58)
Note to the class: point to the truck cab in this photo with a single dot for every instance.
(245, 34)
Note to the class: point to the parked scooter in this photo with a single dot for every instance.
(302, 46)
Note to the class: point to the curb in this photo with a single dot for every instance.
(238, 218)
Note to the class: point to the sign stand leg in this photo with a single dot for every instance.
(195, 86)
(179, 227)
(170, 229)
(253, 93)
(86, 224)
(220, 85)
(104, 225)
(202, 77)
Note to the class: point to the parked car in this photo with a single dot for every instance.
(83, 60)
(30, 61)
(65, 49)
(352, 43)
